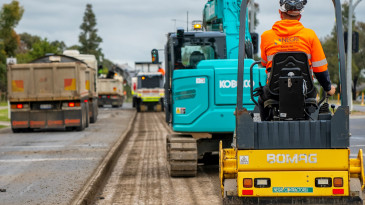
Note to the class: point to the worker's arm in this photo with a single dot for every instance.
(263, 53)
(319, 66)
(324, 80)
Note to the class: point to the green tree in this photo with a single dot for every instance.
(88, 37)
(43, 47)
(32, 47)
(29, 40)
(10, 15)
(330, 49)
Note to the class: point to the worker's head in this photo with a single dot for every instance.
(291, 9)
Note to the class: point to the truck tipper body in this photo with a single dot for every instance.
(111, 92)
(50, 92)
(91, 80)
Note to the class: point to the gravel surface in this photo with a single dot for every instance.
(141, 176)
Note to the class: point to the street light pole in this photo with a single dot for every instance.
(349, 52)
(252, 21)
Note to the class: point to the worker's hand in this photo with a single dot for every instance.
(332, 91)
(258, 91)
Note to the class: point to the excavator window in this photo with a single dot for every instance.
(192, 55)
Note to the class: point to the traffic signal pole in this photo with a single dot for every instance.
(349, 52)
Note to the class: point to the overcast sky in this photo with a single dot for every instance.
(131, 28)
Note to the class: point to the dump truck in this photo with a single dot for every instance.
(302, 155)
(50, 92)
(149, 92)
(111, 91)
(91, 81)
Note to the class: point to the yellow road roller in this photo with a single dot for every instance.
(300, 156)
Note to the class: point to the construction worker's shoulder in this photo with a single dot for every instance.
(268, 33)
(309, 32)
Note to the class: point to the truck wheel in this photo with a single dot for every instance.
(138, 106)
(87, 119)
(83, 121)
(21, 130)
(134, 102)
(93, 118)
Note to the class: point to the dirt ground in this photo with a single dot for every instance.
(141, 175)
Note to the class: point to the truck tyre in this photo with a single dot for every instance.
(21, 130)
(87, 119)
(83, 119)
(94, 117)
(138, 106)
(134, 102)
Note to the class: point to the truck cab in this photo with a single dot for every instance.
(149, 93)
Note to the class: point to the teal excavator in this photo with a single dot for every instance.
(201, 86)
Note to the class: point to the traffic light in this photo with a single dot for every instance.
(154, 54)
(255, 42)
(355, 41)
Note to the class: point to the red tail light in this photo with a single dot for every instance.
(108, 96)
(134, 86)
(86, 101)
(71, 104)
(338, 191)
(19, 106)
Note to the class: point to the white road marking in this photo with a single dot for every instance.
(357, 117)
(45, 159)
(52, 146)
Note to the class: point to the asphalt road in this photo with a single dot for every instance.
(50, 167)
(357, 129)
(359, 108)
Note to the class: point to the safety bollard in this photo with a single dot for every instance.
(338, 99)
(362, 99)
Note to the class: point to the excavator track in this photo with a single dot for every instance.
(182, 155)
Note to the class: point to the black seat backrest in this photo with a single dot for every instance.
(195, 58)
(296, 62)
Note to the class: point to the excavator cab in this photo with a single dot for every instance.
(299, 156)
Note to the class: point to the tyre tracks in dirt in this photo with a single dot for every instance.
(140, 175)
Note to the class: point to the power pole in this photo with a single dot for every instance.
(252, 20)
(174, 20)
(187, 21)
(349, 52)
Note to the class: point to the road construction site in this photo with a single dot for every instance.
(119, 160)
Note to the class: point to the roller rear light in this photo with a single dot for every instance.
(338, 182)
(247, 183)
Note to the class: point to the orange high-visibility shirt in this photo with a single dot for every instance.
(161, 70)
(290, 35)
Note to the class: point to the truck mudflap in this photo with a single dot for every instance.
(46, 119)
(302, 179)
(19, 120)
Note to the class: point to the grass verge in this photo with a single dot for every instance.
(4, 115)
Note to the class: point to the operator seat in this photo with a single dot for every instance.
(291, 92)
(195, 58)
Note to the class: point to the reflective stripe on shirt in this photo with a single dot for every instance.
(319, 63)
